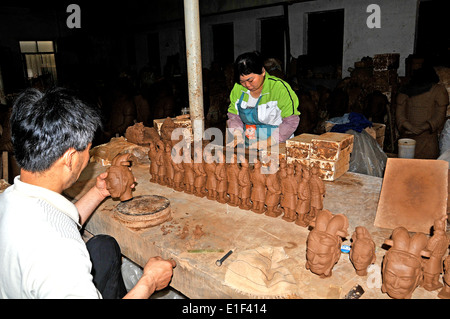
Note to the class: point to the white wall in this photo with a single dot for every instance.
(396, 35)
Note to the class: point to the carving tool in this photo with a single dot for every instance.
(221, 260)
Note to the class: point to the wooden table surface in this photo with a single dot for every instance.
(224, 227)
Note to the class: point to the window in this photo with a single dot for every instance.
(39, 61)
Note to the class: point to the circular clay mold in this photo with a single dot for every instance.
(143, 211)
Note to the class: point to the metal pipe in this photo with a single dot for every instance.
(194, 66)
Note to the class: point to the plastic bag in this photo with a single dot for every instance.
(131, 273)
(444, 138)
(367, 156)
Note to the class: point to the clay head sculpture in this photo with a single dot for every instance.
(362, 253)
(324, 242)
(402, 264)
(120, 179)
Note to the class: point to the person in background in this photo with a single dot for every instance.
(42, 253)
(421, 112)
(263, 109)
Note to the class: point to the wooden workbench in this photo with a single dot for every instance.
(225, 227)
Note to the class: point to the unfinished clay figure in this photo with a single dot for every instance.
(200, 174)
(445, 291)
(211, 182)
(317, 187)
(289, 192)
(152, 155)
(304, 199)
(244, 184)
(178, 176)
(273, 195)
(160, 149)
(221, 177)
(189, 177)
(362, 253)
(258, 191)
(120, 179)
(233, 182)
(167, 156)
(403, 263)
(324, 242)
(437, 245)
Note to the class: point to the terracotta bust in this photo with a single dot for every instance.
(403, 263)
(324, 242)
(120, 179)
(258, 191)
(362, 253)
(437, 245)
(445, 291)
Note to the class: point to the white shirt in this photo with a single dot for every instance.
(42, 254)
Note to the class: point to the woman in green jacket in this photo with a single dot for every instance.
(263, 108)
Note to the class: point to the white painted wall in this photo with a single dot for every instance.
(396, 35)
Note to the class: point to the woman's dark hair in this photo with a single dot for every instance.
(247, 63)
(45, 125)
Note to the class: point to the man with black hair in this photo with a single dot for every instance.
(42, 254)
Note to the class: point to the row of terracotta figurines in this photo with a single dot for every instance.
(294, 190)
(410, 262)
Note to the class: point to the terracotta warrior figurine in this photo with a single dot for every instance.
(189, 177)
(211, 182)
(437, 245)
(362, 253)
(298, 167)
(289, 191)
(324, 242)
(258, 191)
(120, 179)
(160, 149)
(153, 162)
(273, 195)
(168, 164)
(304, 199)
(233, 182)
(199, 173)
(178, 176)
(317, 192)
(221, 177)
(244, 184)
(445, 291)
(403, 263)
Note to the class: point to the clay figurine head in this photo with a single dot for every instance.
(119, 182)
(402, 264)
(324, 242)
(362, 253)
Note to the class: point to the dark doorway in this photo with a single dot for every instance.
(433, 36)
(154, 59)
(325, 37)
(272, 38)
(223, 43)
